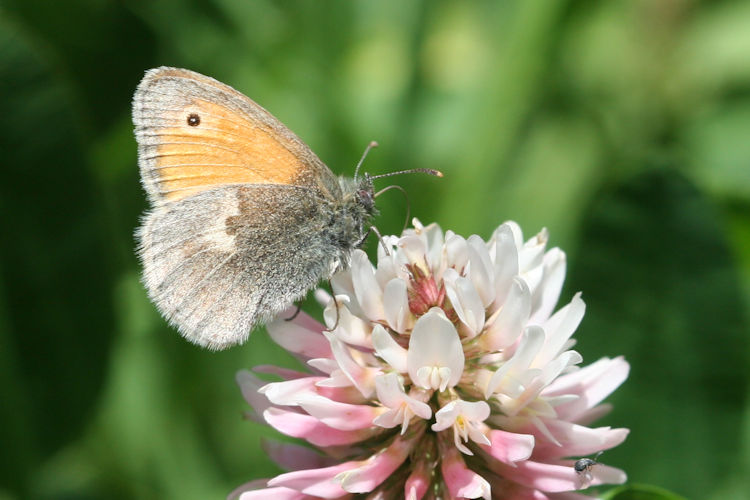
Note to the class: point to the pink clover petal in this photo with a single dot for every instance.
(477, 316)
(275, 493)
(460, 480)
(294, 457)
(284, 373)
(249, 386)
(390, 350)
(317, 482)
(418, 482)
(342, 416)
(288, 392)
(250, 485)
(593, 383)
(435, 357)
(301, 336)
(376, 469)
(313, 430)
(577, 440)
(509, 447)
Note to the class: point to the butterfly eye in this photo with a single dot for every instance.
(193, 120)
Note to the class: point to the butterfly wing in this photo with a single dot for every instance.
(219, 262)
(194, 133)
(240, 208)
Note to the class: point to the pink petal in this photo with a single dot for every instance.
(577, 440)
(275, 493)
(342, 416)
(418, 482)
(593, 383)
(313, 430)
(301, 336)
(295, 457)
(509, 447)
(372, 472)
(461, 481)
(249, 386)
(318, 482)
(288, 392)
(284, 373)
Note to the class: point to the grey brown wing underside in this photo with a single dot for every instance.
(222, 261)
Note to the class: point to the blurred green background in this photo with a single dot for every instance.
(622, 126)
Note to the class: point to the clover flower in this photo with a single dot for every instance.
(442, 373)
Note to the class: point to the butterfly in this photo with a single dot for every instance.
(244, 218)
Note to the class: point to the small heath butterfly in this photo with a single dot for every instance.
(245, 219)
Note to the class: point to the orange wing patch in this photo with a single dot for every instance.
(211, 146)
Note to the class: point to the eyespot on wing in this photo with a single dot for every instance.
(195, 133)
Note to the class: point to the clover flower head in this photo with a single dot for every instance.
(442, 372)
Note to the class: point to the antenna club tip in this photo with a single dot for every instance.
(373, 144)
(438, 173)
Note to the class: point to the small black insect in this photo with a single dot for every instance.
(583, 467)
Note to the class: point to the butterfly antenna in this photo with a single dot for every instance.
(406, 196)
(428, 171)
(372, 144)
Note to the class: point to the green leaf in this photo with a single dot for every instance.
(641, 492)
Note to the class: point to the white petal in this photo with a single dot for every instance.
(351, 328)
(389, 389)
(509, 321)
(513, 370)
(559, 328)
(387, 348)
(465, 300)
(548, 292)
(359, 376)
(481, 271)
(396, 305)
(506, 262)
(456, 251)
(366, 287)
(434, 344)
